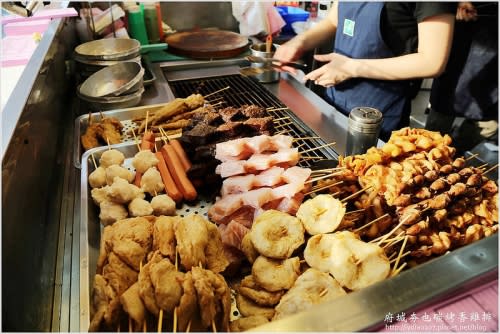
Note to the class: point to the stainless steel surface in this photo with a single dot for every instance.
(364, 127)
(413, 289)
(115, 80)
(108, 103)
(265, 72)
(32, 186)
(108, 49)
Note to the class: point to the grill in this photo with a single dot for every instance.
(238, 90)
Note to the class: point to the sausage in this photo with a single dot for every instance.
(181, 154)
(166, 177)
(149, 136)
(137, 180)
(178, 173)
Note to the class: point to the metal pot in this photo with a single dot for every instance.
(266, 73)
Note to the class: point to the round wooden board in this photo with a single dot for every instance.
(207, 44)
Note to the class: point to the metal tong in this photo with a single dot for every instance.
(256, 59)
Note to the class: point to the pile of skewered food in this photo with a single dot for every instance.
(160, 272)
(431, 201)
(210, 126)
(103, 132)
(160, 176)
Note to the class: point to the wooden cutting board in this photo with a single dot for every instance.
(207, 44)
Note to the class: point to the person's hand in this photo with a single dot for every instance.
(338, 69)
(466, 12)
(290, 51)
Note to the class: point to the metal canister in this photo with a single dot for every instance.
(363, 130)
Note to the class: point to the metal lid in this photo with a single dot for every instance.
(365, 115)
(108, 49)
(365, 119)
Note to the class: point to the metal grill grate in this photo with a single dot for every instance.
(243, 90)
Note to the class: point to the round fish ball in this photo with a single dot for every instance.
(112, 212)
(140, 207)
(111, 157)
(97, 178)
(115, 170)
(163, 205)
(123, 192)
(144, 160)
(151, 182)
(99, 195)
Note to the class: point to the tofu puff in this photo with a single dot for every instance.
(116, 170)
(151, 182)
(144, 160)
(97, 178)
(139, 207)
(163, 205)
(123, 192)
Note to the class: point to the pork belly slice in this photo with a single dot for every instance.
(231, 168)
(280, 142)
(290, 156)
(288, 190)
(269, 178)
(258, 197)
(237, 184)
(291, 205)
(225, 206)
(244, 215)
(296, 174)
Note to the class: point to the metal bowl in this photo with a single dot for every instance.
(113, 80)
(110, 103)
(109, 49)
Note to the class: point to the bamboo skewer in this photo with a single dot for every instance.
(284, 124)
(397, 271)
(146, 125)
(216, 99)
(370, 223)
(326, 170)
(400, 254)
(214, 329)
(109, 146)
(218, 103)
(160, 320)
(188, 328)
(385, 236)
(472, 157)
(175, 320)
(306, 138)
(321, 178)
(93, 161)
(276, 109)
(483, 166)
(355, 194)
(324, 292)
(316, 148)
(490, 169)
(217, 91)
(136, 140)
(315, 189)
(281, 118)
(398, 257)
(129, 324)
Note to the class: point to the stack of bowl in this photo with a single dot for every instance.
(96, 55)
(113, 87)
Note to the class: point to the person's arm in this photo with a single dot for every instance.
(308, 40)
(434, 35)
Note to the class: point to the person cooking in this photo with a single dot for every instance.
(379, 48)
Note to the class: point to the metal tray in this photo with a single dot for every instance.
(124, 115)
(90, 227)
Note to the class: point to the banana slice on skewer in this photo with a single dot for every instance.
(321, 214)
(318, 251)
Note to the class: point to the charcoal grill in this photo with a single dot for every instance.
(237, 90)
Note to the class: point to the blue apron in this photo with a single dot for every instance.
(358, 36)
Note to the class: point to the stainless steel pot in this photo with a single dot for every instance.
(266, 73)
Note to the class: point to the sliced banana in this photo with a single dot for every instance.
(321, 214)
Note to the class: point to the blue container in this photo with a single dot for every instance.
(290, 15)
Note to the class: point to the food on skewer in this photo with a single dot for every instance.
(97, 178)
(357, 264)
(98, 133)
(321, 214)
(119, 171)
(99, 195)
(111, 212)
(151, 182)
(248, 308)
(250, 289)
(277, 234)
(123, 192)
(111, 157)
(245, 323)
(163, 205)
(311, 288)
(144, 160)
(139, 207)
(275, 275)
